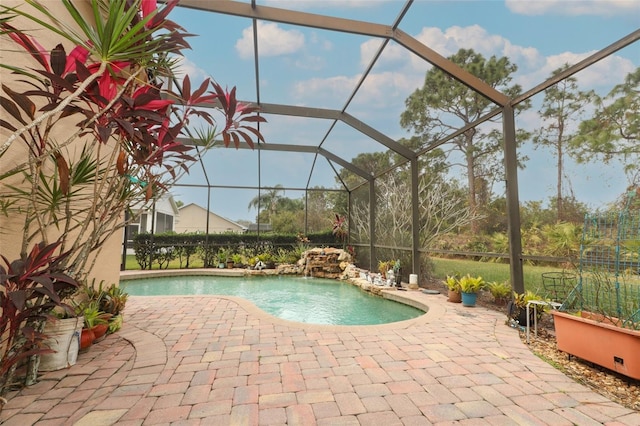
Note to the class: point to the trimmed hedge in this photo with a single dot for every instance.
(162, 248)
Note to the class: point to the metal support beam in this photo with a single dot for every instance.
(372, 224)
(415, 218)
(332, 114)
(296, 148)
(454, 70)
(513, 202)
(292, 17)
(585, 63)
(353, 27)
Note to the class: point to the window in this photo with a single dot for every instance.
(164, 223)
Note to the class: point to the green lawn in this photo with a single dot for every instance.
(491, 271)
(442, 268)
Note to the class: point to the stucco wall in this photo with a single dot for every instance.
(193, 218)
(11, 227)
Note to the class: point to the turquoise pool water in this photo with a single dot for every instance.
(307, 300)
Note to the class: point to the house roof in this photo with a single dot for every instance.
(194, 205)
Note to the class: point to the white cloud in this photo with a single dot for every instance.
(392, 52)
(313, 63)
(324, 89)
(601, 75)
(186, 67)
(448, 42)
(573, 7)
(398, 72)
(272, 41)
(382, 89)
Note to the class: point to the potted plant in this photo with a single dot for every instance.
(500, 291)
(600, 322)
(453, 285)
(600, 319)
(31, 287)
(469, 288)
(222, 257)
(113, 303)
(229, 258)
(517, 307)
(96, 323)
(86, 134)
(63, 338)
(383, 267)
(397, 273)
(239, 261)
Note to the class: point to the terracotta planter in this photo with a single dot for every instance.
(600, 342)
(100, 330)
(454, 296)
(86, 338)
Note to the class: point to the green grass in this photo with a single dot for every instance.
(490, 271)
(442, 267)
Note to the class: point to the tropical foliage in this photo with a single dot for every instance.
(97, 129)
(92, 127)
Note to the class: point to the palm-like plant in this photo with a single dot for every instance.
(267, 201)
(469, 284)
(97, 129)
(88, 133)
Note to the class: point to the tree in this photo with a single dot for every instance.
(267, 201)
(320, 209)
(442, 209)
(443, 105)
(563, 103)
(614, 129)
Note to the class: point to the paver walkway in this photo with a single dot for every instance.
(210, 360)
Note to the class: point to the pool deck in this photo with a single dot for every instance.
(212, 360)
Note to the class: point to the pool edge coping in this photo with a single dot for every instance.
(431, 311)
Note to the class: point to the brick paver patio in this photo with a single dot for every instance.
(211, 360)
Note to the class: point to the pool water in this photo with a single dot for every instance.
(307, 300)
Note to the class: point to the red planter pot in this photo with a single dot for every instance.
(86, 338)
(100, 330)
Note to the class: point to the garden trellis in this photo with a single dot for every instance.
(609, 282)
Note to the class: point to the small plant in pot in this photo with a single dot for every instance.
(96, 323)
(517, 307)
(111, 301)
(500, 291)
(239, 261)
(453, 285)
(469, 288)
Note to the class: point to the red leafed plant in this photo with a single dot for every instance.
(339, 228)
(30, 287)
(97, 129)
(89, 127)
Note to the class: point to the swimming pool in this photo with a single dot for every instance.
(307, 300)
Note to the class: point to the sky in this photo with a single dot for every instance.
(319, 68)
